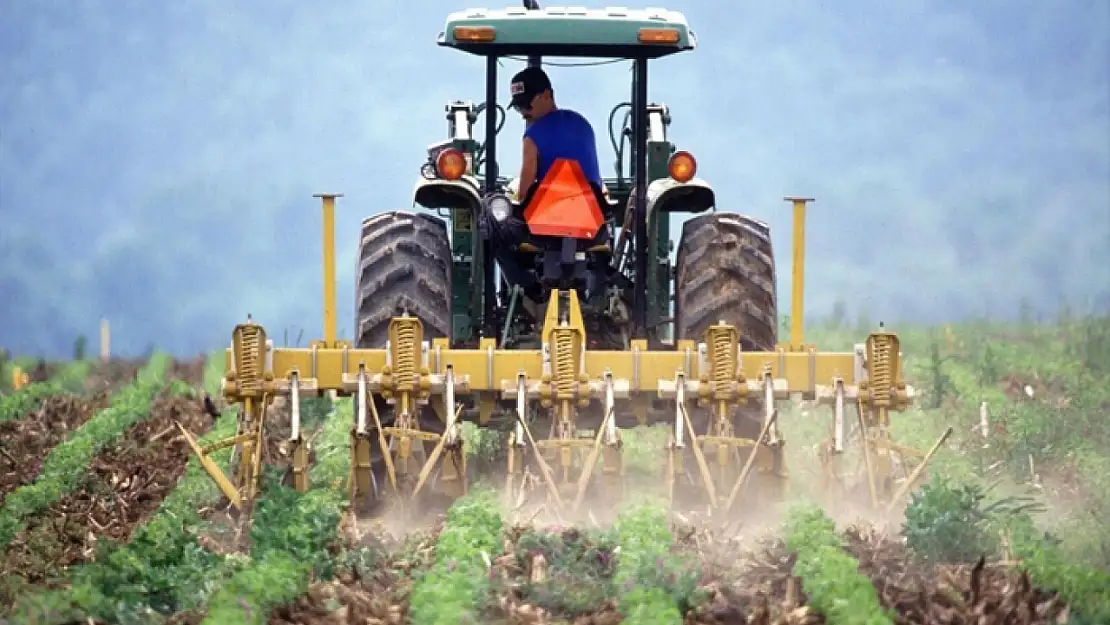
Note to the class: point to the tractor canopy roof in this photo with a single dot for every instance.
(611, 32)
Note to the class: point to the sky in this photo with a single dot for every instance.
(158, 160)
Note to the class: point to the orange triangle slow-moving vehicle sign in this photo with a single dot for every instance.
(564, 205)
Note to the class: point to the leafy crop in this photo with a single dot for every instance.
(64, 469)
(291, 536)
(161, 568)
(831, 577)
(946, 522)
(451, 593)
(1086, 589)
(652, 590)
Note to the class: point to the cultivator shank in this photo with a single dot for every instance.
(251, 385)
(720, 387)
(879, 392)
(406, 383)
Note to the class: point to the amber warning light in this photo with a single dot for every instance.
(658, 35)
(682, 166)
(451, 164)
(475, 33)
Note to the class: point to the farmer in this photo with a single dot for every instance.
(550, 133)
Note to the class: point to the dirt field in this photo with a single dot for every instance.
(28, 440)
(557, 578)
(542, 574)
(124, 485)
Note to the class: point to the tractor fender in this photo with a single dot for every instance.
(454, 194)
(668, 195)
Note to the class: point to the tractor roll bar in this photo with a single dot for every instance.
(639, 151)
(489, 286)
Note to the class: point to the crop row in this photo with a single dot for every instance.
(646, 577)
(164, 570)
(160, 568)
(830, 575)
(1086, 589)
(291, 535)
(64, 469)
(452, 591)
(69, 379)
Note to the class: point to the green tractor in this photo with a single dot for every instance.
(640, 200)
(434, 265)
(627, 338)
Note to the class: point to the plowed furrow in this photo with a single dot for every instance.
(26, 441)
(124, 486)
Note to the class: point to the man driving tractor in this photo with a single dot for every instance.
(550, 133)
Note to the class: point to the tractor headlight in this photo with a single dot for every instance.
(499, 206)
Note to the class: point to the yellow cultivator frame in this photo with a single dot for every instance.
(564, 377)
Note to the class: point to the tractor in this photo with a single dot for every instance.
(628, 337)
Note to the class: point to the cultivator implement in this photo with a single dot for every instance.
(564, 380)
(712, 382)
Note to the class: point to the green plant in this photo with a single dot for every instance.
(830, 576)
(1086, 589)
(652, 587)
(452, 591)
(161, 568)
(989, 367)
(1090, 344)
(940, 385)
(292, 536)
(314, 410)
(946, 522)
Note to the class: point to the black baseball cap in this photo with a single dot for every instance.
(526, 85)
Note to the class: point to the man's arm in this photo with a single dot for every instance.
(529, 163)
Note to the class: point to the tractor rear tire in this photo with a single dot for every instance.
(725, 271)
(404, 265)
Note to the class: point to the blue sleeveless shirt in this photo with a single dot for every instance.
(563, 133)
